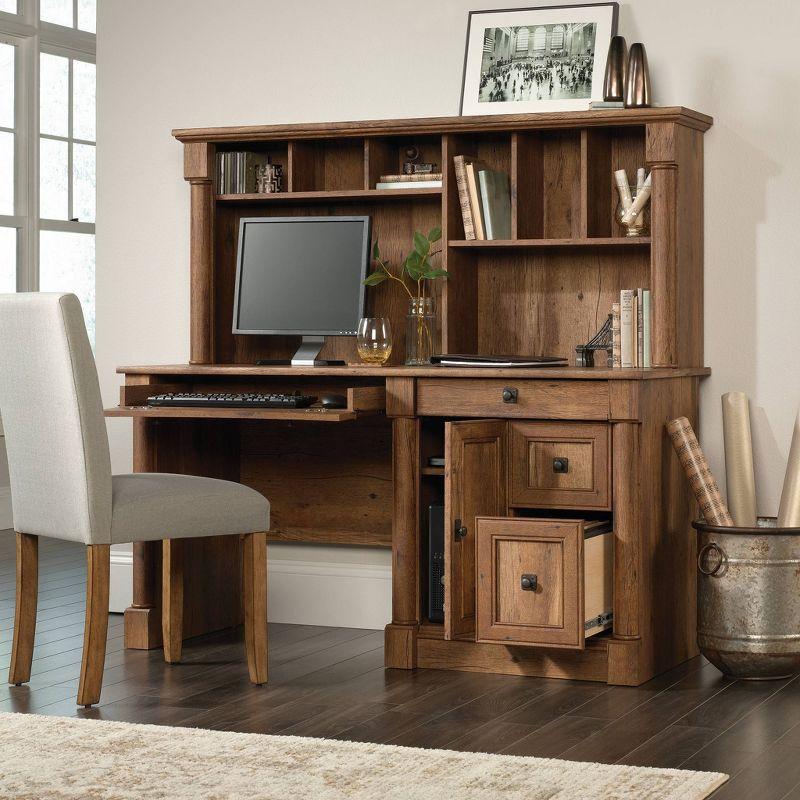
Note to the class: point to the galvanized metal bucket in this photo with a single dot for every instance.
(748, 599)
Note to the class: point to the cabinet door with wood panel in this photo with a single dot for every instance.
(475, 485)
(560, 465)
(540, 583)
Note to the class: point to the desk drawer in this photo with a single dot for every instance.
(489, 397)
(542, 582)
(560, 465)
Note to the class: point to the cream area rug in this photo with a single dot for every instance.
(54, 757)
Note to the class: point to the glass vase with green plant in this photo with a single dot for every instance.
(415, 274)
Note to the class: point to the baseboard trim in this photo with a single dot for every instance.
(333, 594)
(121, 592)
(6, 515)
(300, 592)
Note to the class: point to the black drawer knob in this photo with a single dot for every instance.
(560, 464)
(528, 583)
(509, 395)
(460, 531)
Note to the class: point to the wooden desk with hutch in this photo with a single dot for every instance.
(361, 476)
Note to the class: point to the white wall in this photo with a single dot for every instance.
(212, 62)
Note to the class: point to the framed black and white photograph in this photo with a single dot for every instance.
(528, 60)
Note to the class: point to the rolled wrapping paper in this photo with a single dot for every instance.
(639, 184)
(739, 474)
(621, 178)
(642, 197)
(789, 511)
(694, 463)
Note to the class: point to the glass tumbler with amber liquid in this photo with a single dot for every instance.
(374, 340)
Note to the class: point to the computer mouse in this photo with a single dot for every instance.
(331, 400)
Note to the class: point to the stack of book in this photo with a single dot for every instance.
(236, 171)
(484, 195)
(417, 180)
(631, 329)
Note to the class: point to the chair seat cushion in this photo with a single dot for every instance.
(153, 505)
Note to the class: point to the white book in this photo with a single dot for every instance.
(640, 328)
(409, 185)
(646, 320)
(615, 343)
(626, 328)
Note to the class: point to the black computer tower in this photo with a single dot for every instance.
(436, 563)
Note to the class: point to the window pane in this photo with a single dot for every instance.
(6, 172)
(6, 85)
(54, 100)
(66, 264)
(87, 15)
(54, 177)
(83, 182)
(8, 5)
(8, 259)
(59, 12)
(83, 102)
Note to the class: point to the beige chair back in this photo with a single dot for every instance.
(52, 414)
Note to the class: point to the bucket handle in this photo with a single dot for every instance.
(704, 551)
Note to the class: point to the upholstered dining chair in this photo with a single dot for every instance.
(62, 487)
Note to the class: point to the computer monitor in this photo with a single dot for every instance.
(301, 275)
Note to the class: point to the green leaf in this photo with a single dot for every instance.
(412, 265)
(376, 251)
(435, 234)
(414, 260)
(421, 244)
(432, 274)
(375, 278)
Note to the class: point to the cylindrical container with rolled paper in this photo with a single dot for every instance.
(739, 473)
(748, 599)
(789, 511)
(701, 479)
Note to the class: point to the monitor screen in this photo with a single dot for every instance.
(301, 275)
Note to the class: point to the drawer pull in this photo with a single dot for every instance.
(460, 530)
(528, 583)
(509, 395)
(560, 464)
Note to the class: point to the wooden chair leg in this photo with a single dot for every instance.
(254, 587)
(98, 563)
(172, 599)
(25, 612)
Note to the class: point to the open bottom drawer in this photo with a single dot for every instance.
(543, 582)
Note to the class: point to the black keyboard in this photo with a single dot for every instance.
(225, 400)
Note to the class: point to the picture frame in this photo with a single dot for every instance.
(535, 60)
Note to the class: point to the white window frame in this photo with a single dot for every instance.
(31, 37)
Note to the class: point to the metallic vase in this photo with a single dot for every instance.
(748, 611)
(616, 64)
(637, 83)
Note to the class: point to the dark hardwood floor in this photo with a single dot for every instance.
(330, 682)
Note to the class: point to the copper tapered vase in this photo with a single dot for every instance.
(616, 64)
(637, 82)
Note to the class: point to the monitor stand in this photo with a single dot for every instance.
(306, 355)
